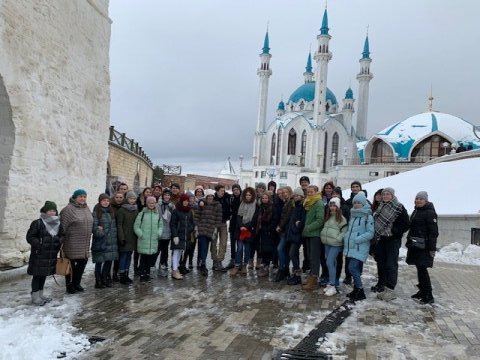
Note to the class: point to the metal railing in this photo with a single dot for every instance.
(131, 145)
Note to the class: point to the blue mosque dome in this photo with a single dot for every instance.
(281, 106)
(307, 93)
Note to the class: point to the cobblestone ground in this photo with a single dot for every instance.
(219, 317)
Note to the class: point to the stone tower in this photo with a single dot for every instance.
(54, 110)
(363, 77)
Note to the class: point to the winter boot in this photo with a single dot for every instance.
(230, 265)
(44, 298)
(295, 279)
(123, 278)
(106, 281)
(234, 271)
(378, 288)
(70, 288)
(280, 275)
(163, 271)
(177, 275)
(99, 283)
(244, 270)
(427, 298)
(387, 295)
(352, 293)
(115, 277)
(183, 270)
(263, 271)
(359, 295)
(129, 281)
(347, 280)
(36, 299)
(311, 283)
(203, 270)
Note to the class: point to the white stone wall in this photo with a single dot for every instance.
(55, 67)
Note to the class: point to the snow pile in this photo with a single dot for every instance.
(31, 332)
(457, 253)
(435, 179)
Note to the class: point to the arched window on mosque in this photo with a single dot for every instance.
(382, 152)
(335, 141)
(302, 105)
(303, 148)
(292, 142)
(279, 143)
(327, 107)
(272, 149)
(430, 148)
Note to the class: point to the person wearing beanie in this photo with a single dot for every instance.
(127, 239)
(332, 233)
(148, 227)
(182, 227)
(315, 215)
(77, 222)
(422, 244)
(235, 201)
(104, 241)
(356, 242)
(294, 236)
(45, 236)
(165, 209)
(199, 193)
(208, 217)
(391, 222)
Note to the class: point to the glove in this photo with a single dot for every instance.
(176, 240)
(432, 254)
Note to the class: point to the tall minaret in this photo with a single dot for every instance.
(363, 78)
(308, 74)
(348, 110)
(322, 57)
(264, 72)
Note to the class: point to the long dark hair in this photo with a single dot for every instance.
(375, 203)
(98, 211)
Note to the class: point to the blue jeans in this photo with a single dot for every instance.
(203, 242)
(282, 249)
(331, 253)
(355, 266)
(125, 259)
(243, 246)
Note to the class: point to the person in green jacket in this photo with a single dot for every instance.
(315, 209)
(148, 227)
(332, 236)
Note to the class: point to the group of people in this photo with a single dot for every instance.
(264, 223)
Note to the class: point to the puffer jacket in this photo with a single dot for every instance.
(162, 208)
(77, 223)
(208, 217)
(296, 223)
(104, 242)
(356, 241)
(314, 220)
(148, 227)
(423, 224)
(127, 239)
(43, 256)
(332, 232)
(182, 227)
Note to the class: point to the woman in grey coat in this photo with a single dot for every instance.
(104, 241)
(76, 220)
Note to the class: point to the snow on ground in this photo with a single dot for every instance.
(32, 332)
(454, 253)
(441, 181)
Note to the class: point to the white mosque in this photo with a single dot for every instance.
(313, 135)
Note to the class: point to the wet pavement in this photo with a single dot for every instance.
(218, 317)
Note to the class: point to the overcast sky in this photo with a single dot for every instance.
(183, 73)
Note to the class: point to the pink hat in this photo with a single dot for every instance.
(151, 199)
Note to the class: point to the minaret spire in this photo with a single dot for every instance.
(363, 77)
(430, 100)
(308, 74)
(264, 72)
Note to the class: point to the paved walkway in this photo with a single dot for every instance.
(248, 318)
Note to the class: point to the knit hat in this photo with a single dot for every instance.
(209, 192)
(299, 191)
(422, 195)
(272, 183)
(338, 190)
(360, 198)
(78, 192)
(304, 178)
(390, 190)
(261, 185)
(151, 199)
(184, 197)
(49, 205)
(103, 196)
(131, 194)
(236, 186)
(335, 201)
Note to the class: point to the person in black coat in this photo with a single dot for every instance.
(294, 236)
(423, 226)
(265, 230)
(234, 205)
(45, 236)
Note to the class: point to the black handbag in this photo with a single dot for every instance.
(418, 242)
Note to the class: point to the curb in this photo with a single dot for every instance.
(13, 274)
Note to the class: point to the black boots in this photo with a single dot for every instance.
(427, 298)
(378, 288)
(98, 282)
(124, 279)
(357, 295)
(70, 288)
(280, 275)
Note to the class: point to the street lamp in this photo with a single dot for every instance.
(445, 147)
(241, 162)
(271, 172)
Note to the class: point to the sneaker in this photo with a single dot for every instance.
(330, 290)
(387, 295)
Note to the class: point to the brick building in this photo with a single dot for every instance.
(190, 181)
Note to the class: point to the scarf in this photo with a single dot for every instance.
(310, 201)
(130, 207)
(52, 223)
(385, 215)
(166, 211)
(246, 211)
